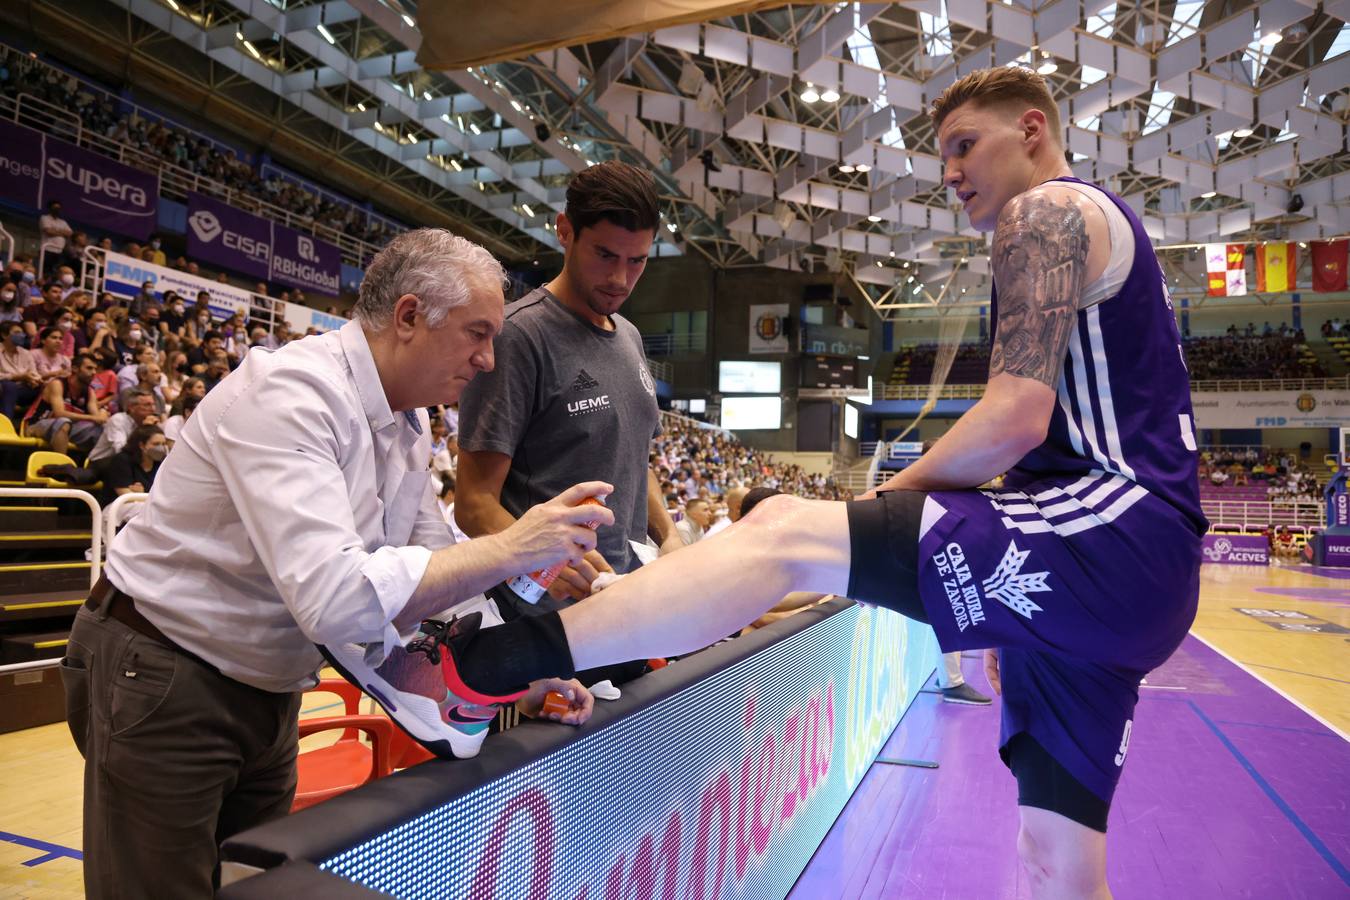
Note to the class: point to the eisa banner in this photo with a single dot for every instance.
(259, 248)
(36, 168)
(723, 790)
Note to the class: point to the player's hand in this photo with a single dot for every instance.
(556, 530)
(574, 582)
(991, 671)
(581, 702)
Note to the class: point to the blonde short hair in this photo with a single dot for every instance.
(1004, 86)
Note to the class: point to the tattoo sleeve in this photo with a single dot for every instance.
(1040, 256)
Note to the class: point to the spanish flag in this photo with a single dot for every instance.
(1275, 267)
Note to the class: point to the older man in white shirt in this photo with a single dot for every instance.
(296, 509)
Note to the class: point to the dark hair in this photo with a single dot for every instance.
(615, 192)
(106, 357)
(212, 334)
(753, 498)
(447, 484)
(48, 332)
(138, 438)
(190, 403)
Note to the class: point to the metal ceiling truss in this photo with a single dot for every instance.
(1207, 130)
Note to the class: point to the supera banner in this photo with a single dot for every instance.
(723, 790)
(36, 169)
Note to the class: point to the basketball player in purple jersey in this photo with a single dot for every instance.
(1082, 572)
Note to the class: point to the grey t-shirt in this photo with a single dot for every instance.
(568, 402)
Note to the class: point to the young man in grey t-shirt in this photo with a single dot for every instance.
(570, 396)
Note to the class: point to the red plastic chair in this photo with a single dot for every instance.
(336, 769)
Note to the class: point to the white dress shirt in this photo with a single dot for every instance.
(296, 508)
(113, 437)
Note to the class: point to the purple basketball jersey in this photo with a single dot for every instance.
(1125, 397)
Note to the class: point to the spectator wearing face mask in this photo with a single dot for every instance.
(133, 469)
(128, 342)
(65, 276)
(199, 322)
(19, 379)
(50, 361)
(156, 251)
(104, 382)
(173, 317)
(10, 310)
(200, 355)
(70, 343)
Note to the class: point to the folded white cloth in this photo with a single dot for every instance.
(605, 690)
(604, 580)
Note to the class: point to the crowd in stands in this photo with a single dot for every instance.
(694, 463)
(1250, 352)
(88, 374)
(99, 114)
(1285, 477)
(1275, 354)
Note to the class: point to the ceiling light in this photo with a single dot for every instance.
(173, 5)
(526, 208)
(327, 35)
(879, 264)
(1271, 39)
(1242, 133)
(1047, 68)
(829, 95)
(909, 280)
(892, 254)
(473, 126)
(361, 106)
(846, 168)
(426, 95)
(1207, 194)
(809, 95)
(254, 50)
(874, 218)
(672, 227)
(409, 19)
(863, 167)
(455, 164)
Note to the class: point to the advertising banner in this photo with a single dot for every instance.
(1236, 549)
(1336, 550)
(21, 167)
(124, 275)
(231, 238)
(1272, 409)
(766, 328)
(258, 248)
(305, 262)
(728, 787)
(36, 168)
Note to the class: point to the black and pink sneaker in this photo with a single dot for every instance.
(420, 689)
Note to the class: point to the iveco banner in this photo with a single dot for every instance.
(253, 246)
(36, 168)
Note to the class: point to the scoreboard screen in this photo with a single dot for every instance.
(830, 372)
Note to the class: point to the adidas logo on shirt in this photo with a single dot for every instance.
(584, 382)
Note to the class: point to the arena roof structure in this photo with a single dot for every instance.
(796, 136)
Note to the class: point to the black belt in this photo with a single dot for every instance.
(120, 606)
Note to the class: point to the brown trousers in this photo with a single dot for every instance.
(177, 758)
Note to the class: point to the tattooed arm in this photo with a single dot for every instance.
(1040, 261)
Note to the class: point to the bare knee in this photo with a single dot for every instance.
(1062, 859)
(808, 539)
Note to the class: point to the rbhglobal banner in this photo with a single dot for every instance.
(253, 246)
(720, 792)
(1272, 409)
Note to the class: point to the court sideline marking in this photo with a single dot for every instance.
(1243, 666)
